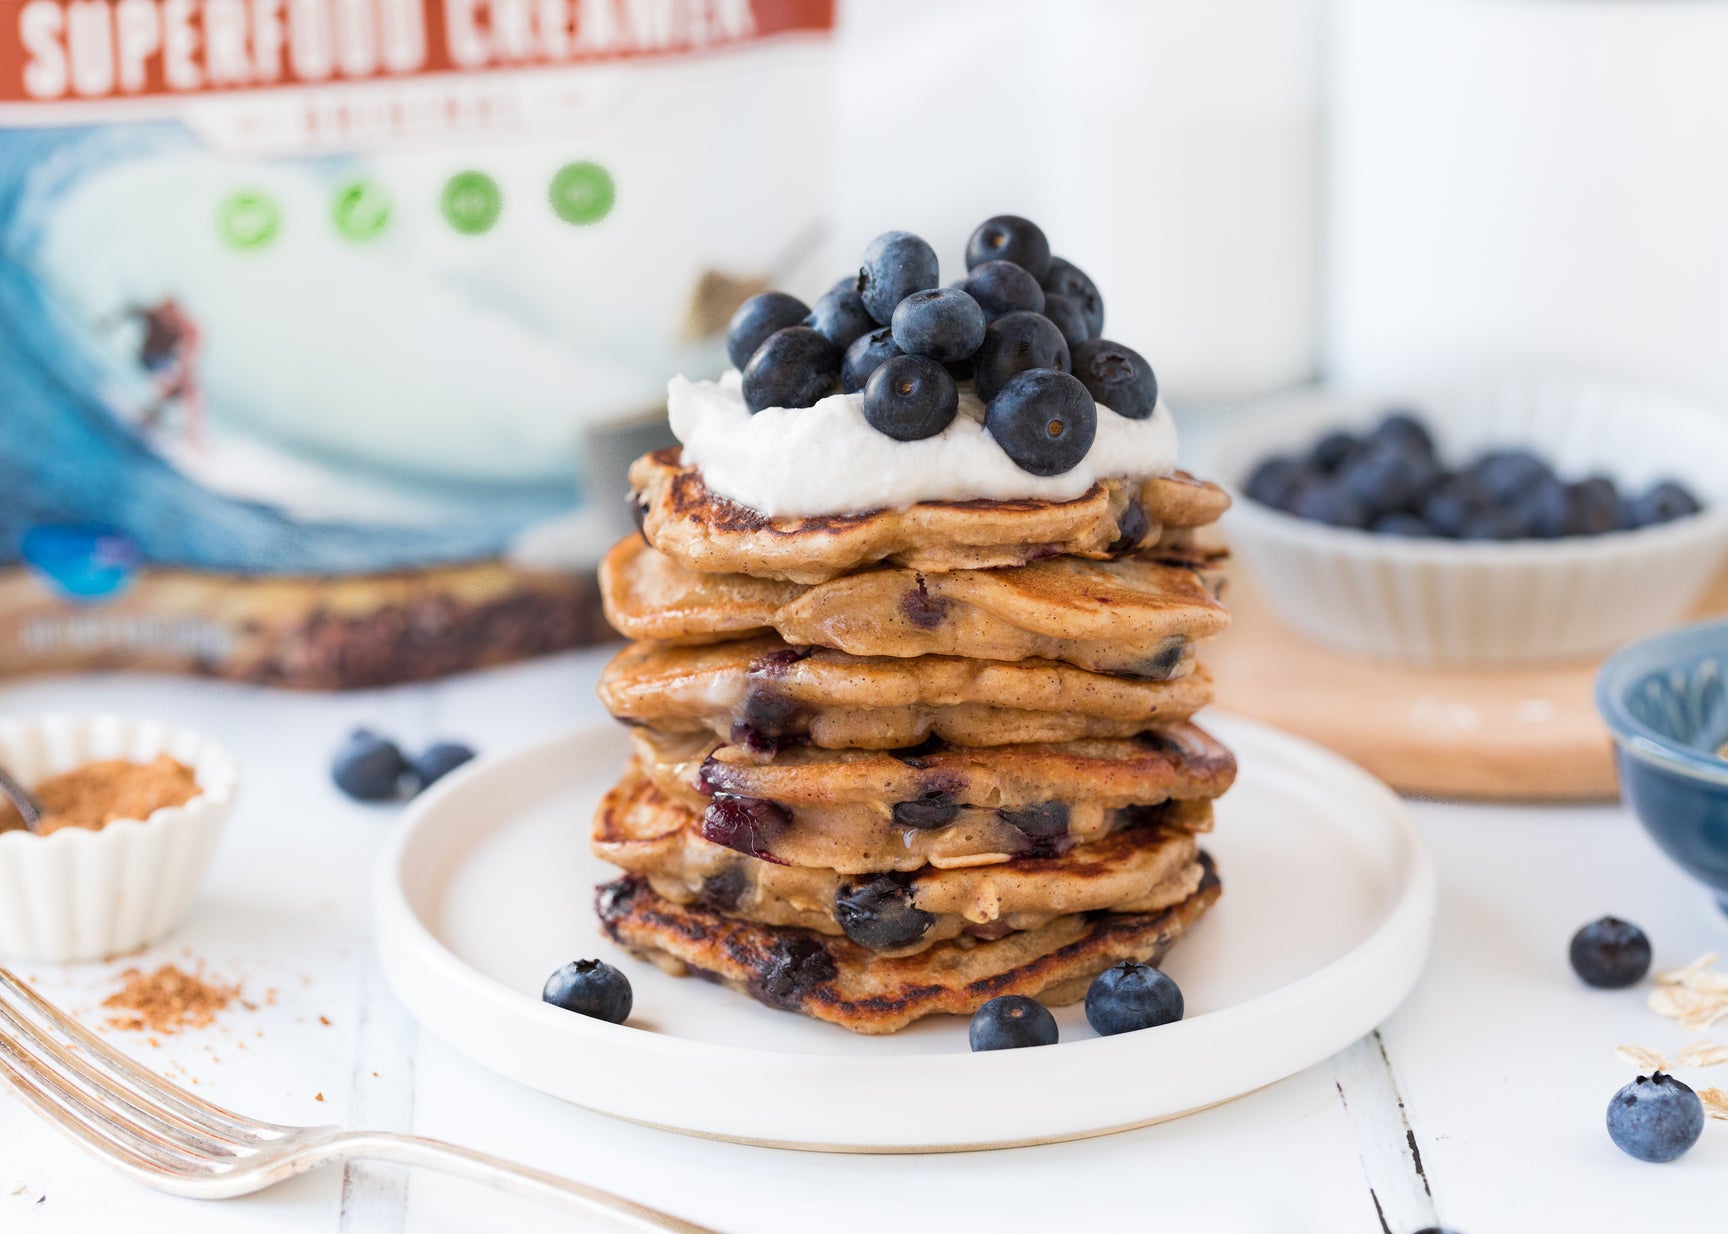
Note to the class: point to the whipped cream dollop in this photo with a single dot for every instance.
(826, 459)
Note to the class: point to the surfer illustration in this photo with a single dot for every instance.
(168, 351)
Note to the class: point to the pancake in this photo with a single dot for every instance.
(1133, 616)
(705, 532)
(863, 839)
(835, 980)
(763, 693)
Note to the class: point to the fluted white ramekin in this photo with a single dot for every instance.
(1483, 605)
(85, 895)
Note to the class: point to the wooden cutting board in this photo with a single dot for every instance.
(1524, 735)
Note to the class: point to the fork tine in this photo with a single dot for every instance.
(93, 1128)
(40, 1053)
(135, 1077)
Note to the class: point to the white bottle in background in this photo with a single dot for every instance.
(1170, 149)
(1531, 184)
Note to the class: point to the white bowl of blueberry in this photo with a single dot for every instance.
(1513, 523)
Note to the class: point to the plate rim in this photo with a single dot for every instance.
(411, 953)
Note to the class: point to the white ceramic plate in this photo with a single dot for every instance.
(486, 887)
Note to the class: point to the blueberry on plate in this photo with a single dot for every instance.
(1331, 451)
(1013, 344)
(1497, 523)
(880, 914)
(592, 988)
(1043, 420)
(756, 319)
(942, 323)
(896, 264)
(1002, 287)
(1450, 506)
(1064, 278)
(1610, 954)
(1117, 377)
(1655, 1118)
(1008, 237)
(867, 351)
(794, 367)
(1405, 431)
(1663, 503)
(1275, 481)
(1503, 476)
(1399, 523)
(1068, 318)
(840, 317)
(1320, 500)
(1130, 996)
(439, 759)
(1550, 510)
(368, 767)
(1385, 478)
(1011, 1022)
(1598, 505)
(910, 398)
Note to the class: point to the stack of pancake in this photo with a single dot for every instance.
(899, 763)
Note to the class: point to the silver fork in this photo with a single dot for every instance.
(163, 1136)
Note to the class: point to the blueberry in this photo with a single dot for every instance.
(960, 370)
(1597, 505)
(1610, 954)
(368, 768)
(1550, 510)
(756, 319)
(942, 323)
(591, 988)
(1450, 506)
(1067, 317)
(1008, 237)
(896, 264)
(867, 351)
(1044, 420)
(1274, 482)
(927, 813)
(749, 825)
(439, 759)
(1384, 478)
(1664, 503)
(840, 317)
(1047, 820)
(1010, 1022)
(1002, 287)
(1399, 523)
(793, 368)
(1064, 278)
(1496, 523)
(1013, 344)
(1117, 377)
(1325, 501)
(1406, 431)
(909, 398)
(880, 914)
(1504, 476)
(1130, 996)
(1331, 451)
(1655, 1118)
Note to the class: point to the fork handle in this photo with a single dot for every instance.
(509, 1177)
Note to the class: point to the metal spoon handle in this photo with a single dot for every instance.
(28, 805)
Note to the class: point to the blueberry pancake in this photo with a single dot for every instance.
(702, 531)
(764, 694)
(880, 837)
(838, 981)
(1137, 868)
(1133, 616)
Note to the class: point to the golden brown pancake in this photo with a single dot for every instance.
(1133, 616)
(705, 532)
(763, 693)
(836, 980)
(1136, 868)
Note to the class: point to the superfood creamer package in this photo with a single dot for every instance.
(314, 314)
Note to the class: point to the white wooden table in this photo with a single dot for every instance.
(1480, 1104)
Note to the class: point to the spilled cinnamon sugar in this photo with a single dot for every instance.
(103, 792)
(167, 1000)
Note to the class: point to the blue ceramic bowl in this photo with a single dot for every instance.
(1665, 700)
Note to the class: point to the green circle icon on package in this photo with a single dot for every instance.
(472, 202)
(248, 220)
(582, 193)
(361, 210)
